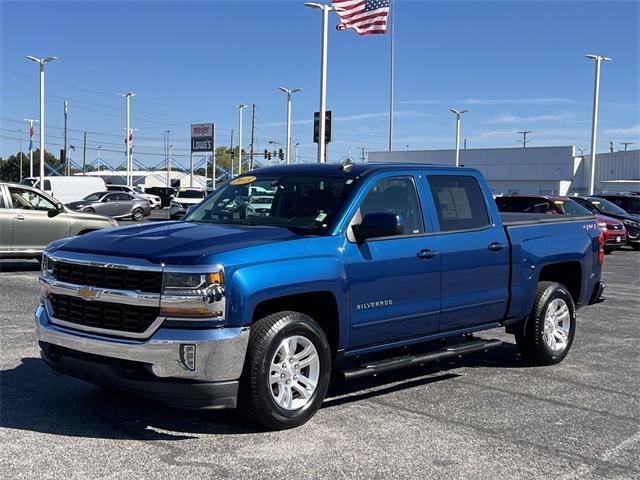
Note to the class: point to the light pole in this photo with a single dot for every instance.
(240, 107)
(323, 74)
(289, 92)
(127, 96)
(20, 131)
(66, 161)
(594, 121)
(41, 62)
(296, 153)
(458, 114)
(30, 121)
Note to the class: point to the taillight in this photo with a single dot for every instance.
(601, 248)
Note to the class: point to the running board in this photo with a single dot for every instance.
(388, 364)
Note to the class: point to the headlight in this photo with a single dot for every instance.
(631, 223)
(46, 266)
(193, 294)
(113, 222)
(602, 225)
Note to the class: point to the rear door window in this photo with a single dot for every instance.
(459, 202)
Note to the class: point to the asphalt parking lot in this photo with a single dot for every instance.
(485, 416)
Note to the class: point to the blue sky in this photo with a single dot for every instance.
(516, 64)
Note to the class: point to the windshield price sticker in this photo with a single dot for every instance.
(243, 180)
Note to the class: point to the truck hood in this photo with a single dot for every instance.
(176, 243)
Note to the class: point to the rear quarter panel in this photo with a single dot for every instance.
(535, 246)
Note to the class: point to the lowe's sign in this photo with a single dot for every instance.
(202, 137)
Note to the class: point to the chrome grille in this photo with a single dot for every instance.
(108, 277)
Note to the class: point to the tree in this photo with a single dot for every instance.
(10, 167)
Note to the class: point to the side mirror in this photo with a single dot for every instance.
(59, 207)
(376, 225)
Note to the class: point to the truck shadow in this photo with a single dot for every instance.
(33, 398)
(16, 266)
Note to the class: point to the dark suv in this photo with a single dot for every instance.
(629, 203)
(602, 206)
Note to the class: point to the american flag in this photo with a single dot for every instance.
(129, 140)
(31, 137)
(366, 17)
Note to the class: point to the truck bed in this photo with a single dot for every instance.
(517, 219)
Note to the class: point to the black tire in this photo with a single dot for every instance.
(255, 398)
(89, 210)
(137, 214)
(530, 339)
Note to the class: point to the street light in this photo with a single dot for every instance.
(458, 114)
(289, 92)
(594, 119)
(127, 143)
(41, 62)
(323, 73)
(240, 107)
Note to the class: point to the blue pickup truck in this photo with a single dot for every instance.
(288, 276)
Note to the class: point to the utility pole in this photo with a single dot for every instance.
(66, 160)
(20, 130)
(594, 119)
(241, 108)
(231, 154)
(84, 152)
(127, 141)
(253, 131)
(30, 121)
(626, 144)
(611, 149)
(362, 157)
(524, 134)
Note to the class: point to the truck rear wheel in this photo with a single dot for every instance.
(287, 370)
(548, 333)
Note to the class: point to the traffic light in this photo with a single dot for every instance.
(266, 154)
(281, 154)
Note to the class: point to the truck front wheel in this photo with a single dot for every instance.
(548, 333)
(287, 370)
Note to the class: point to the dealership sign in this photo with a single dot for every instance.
(202, 137)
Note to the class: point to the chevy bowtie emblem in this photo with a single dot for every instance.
(87, 293)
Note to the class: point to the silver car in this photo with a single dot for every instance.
(113, 204)
(31, 219)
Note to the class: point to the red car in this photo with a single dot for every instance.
(615, 234)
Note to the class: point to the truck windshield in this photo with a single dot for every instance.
(305, 204)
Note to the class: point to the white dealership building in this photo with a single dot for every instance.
(534, 170)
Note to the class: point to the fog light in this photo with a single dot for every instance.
(188, 356)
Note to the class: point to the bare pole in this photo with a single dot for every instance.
(84, 152)
(241, 108)
(20, 130)
(253, 131)
(594, 121)
(66, 160)
(391, 72)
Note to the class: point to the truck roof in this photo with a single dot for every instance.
(356, 170)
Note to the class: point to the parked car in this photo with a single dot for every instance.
(166, 194)
(31, 219)
(113, 204)
(602, 206)
(185, 198)
(615, 233)
(154, 200)
(67, 189)
(355, 270)
(629, 203)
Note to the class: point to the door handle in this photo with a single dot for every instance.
(427, 254)
(496, 246)
(19, 217)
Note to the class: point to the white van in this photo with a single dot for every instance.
(68, 189)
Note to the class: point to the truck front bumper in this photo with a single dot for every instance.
(185, 368)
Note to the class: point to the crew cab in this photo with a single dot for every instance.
(354, 270)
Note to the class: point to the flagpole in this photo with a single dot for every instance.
(391, 68)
